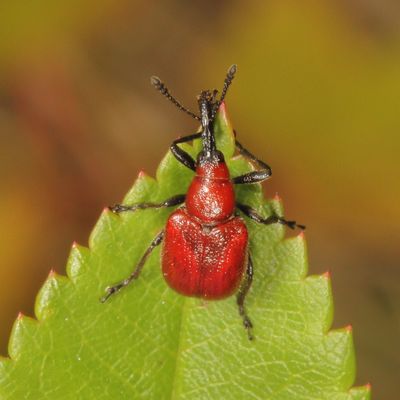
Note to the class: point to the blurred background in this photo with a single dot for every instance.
(317, 96)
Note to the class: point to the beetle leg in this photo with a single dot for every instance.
(263, 173)
(136, 272)
(272, 219)
(181, 155)
(244, 288)
(172, 201)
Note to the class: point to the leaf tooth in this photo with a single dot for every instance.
(276, 205)
(143, 188)
(22, 336)
(77, 259)
(6, 365)
(292, 254)
(107, 222)
(45, 304)
(361, 392)
(319, 300)
(340, 355)
(328, 317)
(327, 275)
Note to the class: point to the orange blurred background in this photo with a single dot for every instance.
(317, 96)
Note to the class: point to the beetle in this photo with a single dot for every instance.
(205, 242)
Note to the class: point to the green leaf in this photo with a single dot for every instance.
(148, 342)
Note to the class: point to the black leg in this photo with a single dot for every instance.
(181, 155)
(172, 201)
(273, 219)
(244, 288)
(263, 173)
(136, 272)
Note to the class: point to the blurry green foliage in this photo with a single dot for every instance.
(29, 27)
(324, 96)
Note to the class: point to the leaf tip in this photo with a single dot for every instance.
(20, 316)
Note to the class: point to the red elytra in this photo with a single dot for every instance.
(205, 246)
(205, 252)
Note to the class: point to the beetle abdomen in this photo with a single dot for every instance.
(203, 261)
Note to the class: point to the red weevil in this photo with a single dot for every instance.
(205, 251)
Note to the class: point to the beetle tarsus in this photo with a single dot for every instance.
(110, 291)
(290, 224)
(272, 219)
(241, 296)
(136, 272)
(261, 174)
(248, 326)
(117, 208)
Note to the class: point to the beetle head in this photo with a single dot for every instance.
(208, 107)
(207, 99)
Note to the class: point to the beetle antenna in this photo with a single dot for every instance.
(227, 82)
(159, 85)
